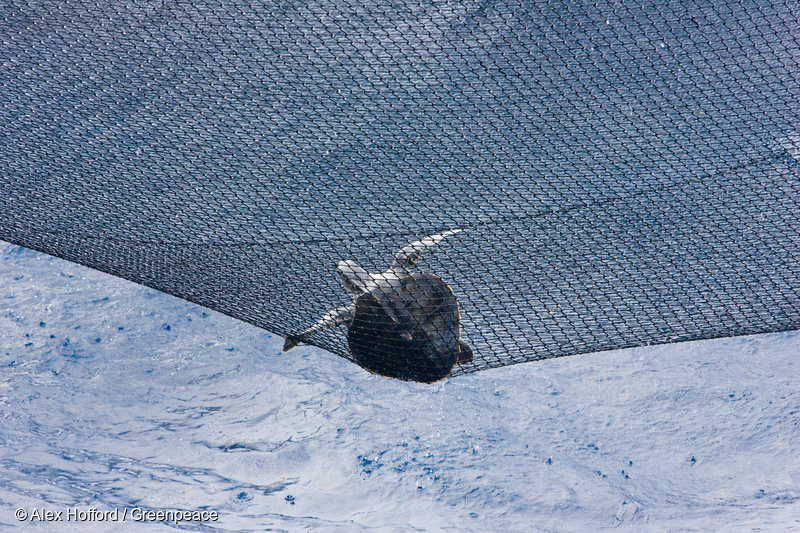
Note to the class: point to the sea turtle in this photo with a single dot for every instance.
(401, 324)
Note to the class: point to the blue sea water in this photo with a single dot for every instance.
(116, 396)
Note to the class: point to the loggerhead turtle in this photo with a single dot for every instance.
(401, 324)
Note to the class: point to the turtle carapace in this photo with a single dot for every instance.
(401, 324)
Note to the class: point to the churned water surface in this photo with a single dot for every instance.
(116, 397)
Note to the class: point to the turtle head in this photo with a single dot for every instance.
(354, 277)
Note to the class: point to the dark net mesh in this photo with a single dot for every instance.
(625, 173)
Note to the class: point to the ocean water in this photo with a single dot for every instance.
(116, 396)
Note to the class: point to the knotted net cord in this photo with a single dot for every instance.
(626, 173)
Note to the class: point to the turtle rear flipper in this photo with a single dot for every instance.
(464, 356)
(355, 279)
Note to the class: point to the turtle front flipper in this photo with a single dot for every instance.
(409, 254)
(331, 319)
(291, 342)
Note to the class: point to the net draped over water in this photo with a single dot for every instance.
(625, 173)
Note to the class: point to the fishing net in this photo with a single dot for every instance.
(624, 173)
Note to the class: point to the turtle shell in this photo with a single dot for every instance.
(410, 332)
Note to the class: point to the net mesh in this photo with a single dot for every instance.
(624, 173)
